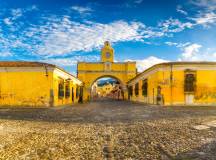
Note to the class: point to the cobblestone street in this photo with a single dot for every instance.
(119, 129)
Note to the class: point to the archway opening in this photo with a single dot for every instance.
(107, 88)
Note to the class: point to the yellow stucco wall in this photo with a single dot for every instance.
(24, 87)
(172, 89)
(89, 72)
(90, 77)
(65, 100)
(33, 86)
(206, 87)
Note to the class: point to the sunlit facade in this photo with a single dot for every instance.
(37, 84)
(175, 83)
(90, 72)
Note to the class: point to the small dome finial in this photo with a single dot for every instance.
(107, 43)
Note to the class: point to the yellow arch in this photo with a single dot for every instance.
(89, 72)
(123, 86)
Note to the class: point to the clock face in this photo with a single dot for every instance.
(108, 55)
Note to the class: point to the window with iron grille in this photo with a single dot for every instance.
(72, 92)
(130, 90)
(77, 91)
(145, 87)
(137, 89)
(67, 91)
(61, 90)
(189, 82)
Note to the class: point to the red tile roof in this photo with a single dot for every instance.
(23, 64)
(173, 63)
(30, 64)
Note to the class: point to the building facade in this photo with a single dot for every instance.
(105, 89)
(175, 83)
(37, 84)
(117, 93)
(90, 72)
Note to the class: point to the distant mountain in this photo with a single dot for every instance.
(107, 80)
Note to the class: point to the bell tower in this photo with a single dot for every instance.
(107, 53)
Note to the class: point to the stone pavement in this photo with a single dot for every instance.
(103, 129)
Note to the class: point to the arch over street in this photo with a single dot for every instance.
(89, 72)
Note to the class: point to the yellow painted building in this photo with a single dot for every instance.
(90, 72)
(175, 83)
(37, 84)
(105, 89)
(172, 83)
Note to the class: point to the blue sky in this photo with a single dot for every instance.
(146, 31)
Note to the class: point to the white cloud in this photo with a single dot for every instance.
(174, 25)
(190, 51)
(144, 64)
(206, 14)
(196, 52)
(61, 36)
(180, 10)
(206, 4)
(4, 46)
(61, 61)
(5, 54)
(171, 43)
(138, 1)
(178, 45)
(7, 21)
(82, 10)
(150, 32)
(205, 19)
(17, 13)
(71, 61)
(65, 36)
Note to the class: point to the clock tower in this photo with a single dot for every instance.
(90, 72)
(107, 53)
